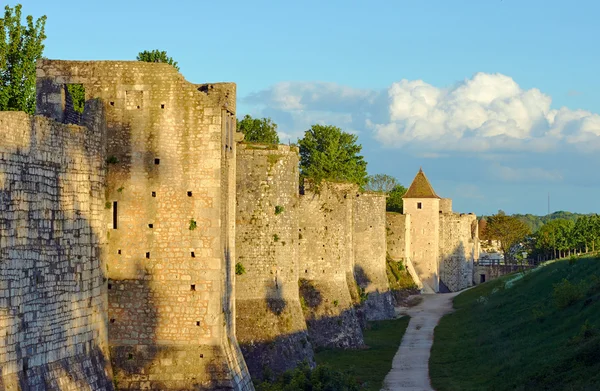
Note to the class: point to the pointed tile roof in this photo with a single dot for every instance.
(420, 187)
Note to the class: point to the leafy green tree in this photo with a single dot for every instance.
(156, 56)
(394, 202)
(381, 183)
(258, 130)
(508, 230)
(20, 48)
(556, 237)
(328, 153)
(389, 185)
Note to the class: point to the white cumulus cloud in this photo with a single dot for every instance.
(485, 113)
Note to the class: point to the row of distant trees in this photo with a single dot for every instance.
(555, 239)
(326, 152)
(561, 237)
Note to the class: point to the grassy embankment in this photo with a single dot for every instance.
(369, 366)
(543, 333)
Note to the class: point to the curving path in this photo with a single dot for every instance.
(410, 368)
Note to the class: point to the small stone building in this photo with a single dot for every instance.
(437, 245)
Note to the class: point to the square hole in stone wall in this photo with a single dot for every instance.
(153, 194)
(148, 255)
(193, 287)
(119, 251)
(157, 161)
(189, 193)
(112, 320)
(162, 106)
(198, 324)
(193, 255)
(150, 225)
(109, 286)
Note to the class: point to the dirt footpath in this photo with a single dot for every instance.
(410, 368)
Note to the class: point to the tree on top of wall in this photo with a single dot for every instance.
(20, 48)
(258, 130)
(156, 56)
(328, 153)
(389, 185)
(508, 230)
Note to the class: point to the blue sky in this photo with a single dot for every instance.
(497, 100)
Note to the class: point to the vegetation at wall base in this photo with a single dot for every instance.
(542, 333)
(368, 366)
(347, 370)
(401, 283)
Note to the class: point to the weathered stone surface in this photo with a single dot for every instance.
(169, 213)
(327, 261)
(369, 242)
(52, 290)
(270, 325)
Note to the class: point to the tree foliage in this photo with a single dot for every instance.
(389, 185)
(508, 230)
(561, 236)
(394, 202)
(381, 183)
(328, 153)
(258, 130)
(156, 56)
(20, 48)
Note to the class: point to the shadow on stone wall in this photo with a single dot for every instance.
(331, 323)
(52, 311)
(275, 334)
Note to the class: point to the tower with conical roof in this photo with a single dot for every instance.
(423, 204)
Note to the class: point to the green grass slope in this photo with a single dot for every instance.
(543, 333)
(369, 366)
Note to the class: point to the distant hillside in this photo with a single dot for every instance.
(543, 333)
(535, 222)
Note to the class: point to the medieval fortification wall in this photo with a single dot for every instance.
(270, 324)
(326, 278)
(458, 247)
(170, 220)
(119, 235)
(369, 240)
(52, 274)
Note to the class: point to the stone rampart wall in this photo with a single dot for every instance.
(326, 277)
(171, 228)
(52, 276)
(369, 241)
(270, 324)
(458, 243)
(397, 235)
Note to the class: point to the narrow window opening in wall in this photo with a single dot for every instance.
(189, 193)
(419, 205)
(112, 320)
(153, 194)
(481, 278)
(162, 106)
(193, 287)
(157, 161)
(148, 255)
(115, 215)
(150, 225)
(198, 324)
(193, 255)
(119, 251)
(306, 271)
(109, 286)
